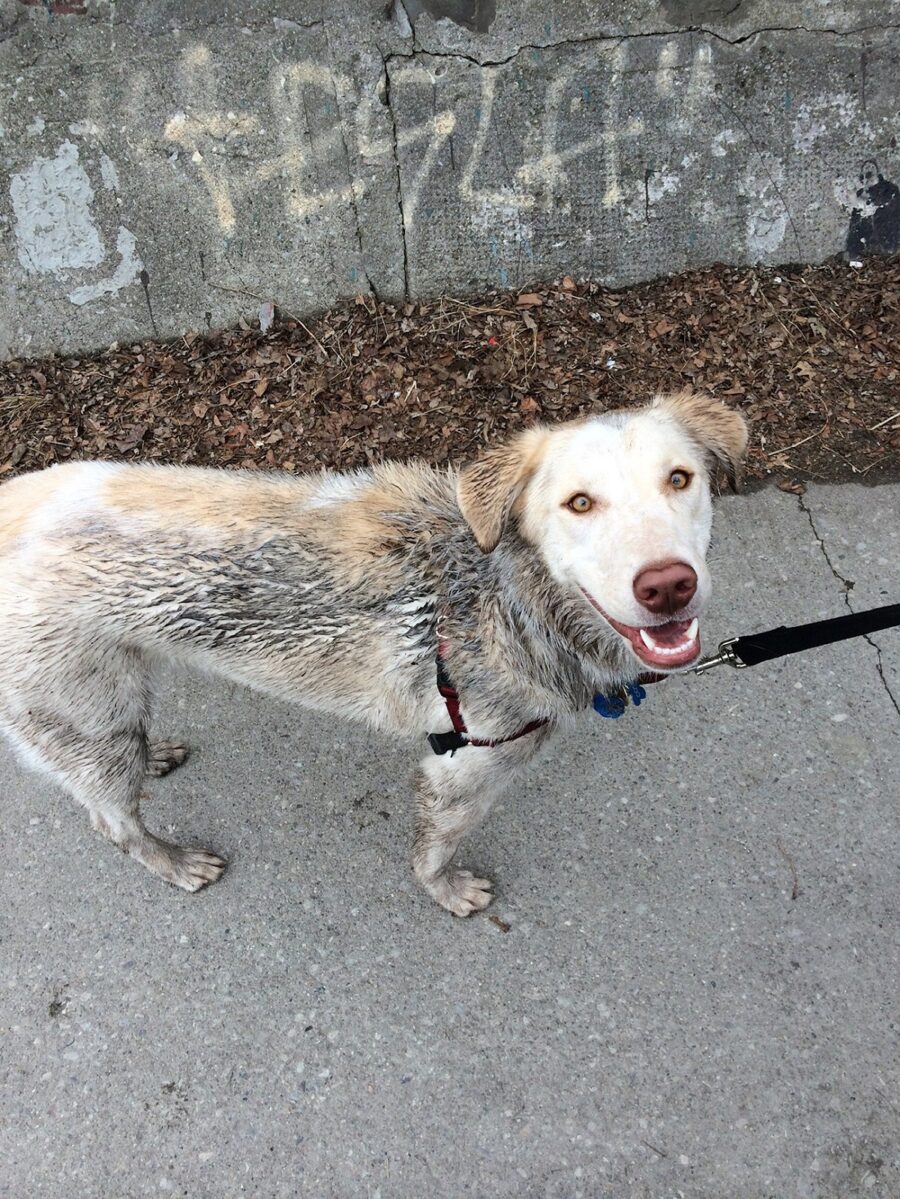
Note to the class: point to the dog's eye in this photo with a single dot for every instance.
(580, 503)
(679, 479)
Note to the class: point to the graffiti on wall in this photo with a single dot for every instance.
(322, 140)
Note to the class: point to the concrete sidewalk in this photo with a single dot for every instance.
(662, 1018)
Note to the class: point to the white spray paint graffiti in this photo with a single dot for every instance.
(815, 121)
(540, 180)
(126, 273)
(666, 64)
(51, 201)
(321, 139)
(108, 173)
(55, 227)
(722, 142)
(767, 220)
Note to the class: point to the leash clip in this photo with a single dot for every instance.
(725, 656)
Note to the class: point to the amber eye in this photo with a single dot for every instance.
(679, 479)
(580, 503)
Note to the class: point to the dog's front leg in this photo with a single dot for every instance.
(454, 793)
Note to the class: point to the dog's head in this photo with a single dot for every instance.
(618, 506)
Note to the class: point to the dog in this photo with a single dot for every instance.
(565, 561)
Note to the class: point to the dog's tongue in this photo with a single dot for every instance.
(672, 633)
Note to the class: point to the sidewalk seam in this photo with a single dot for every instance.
(847, 585)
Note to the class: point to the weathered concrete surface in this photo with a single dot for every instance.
(166, 166)
(661, 1019)
(860, 534)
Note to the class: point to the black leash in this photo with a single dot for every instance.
(778, 643)
(738, 652)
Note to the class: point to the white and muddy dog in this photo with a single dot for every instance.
(566, 561)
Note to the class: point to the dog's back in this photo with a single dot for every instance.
(261, 576)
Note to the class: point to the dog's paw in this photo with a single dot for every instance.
(164, 756)
(188, 868)
(460, 892)
(193, 869)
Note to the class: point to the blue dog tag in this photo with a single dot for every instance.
(610, 706)
(613, 706)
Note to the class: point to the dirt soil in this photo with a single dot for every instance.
(810, 354)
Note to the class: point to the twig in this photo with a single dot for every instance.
(823, 307)
(784, 449)
(795, 890)
(877, 462)
(479, 309)
(844, 458)
(660, 1152)
(887, 420)
(24, 401)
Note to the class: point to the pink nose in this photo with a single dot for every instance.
(665, 589)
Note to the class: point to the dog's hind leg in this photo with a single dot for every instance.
(107, 781)
(87, 728)
(104, 773)
(454, 793)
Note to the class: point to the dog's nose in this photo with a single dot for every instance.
(665, 589)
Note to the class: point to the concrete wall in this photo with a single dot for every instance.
(168, 164)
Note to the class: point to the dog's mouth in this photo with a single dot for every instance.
(662, 646)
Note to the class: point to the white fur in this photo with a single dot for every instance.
(622, 464)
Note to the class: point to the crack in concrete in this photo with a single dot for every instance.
(417, 48)
(619, 38)
(847, 585)
(396, 152)
(354, 203)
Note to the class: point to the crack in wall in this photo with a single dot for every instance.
(847, 586)
(417, 48)
(619, 38)
(354, 203)
(396, 152)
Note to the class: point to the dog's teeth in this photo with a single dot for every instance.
(689, 637)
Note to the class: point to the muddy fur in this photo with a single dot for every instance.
(287, 584)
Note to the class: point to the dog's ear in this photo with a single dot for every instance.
(488, 488)
(719, 430)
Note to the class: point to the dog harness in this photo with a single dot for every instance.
(458, 738)
(612, 706)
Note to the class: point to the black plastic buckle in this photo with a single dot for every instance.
(445, 743)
